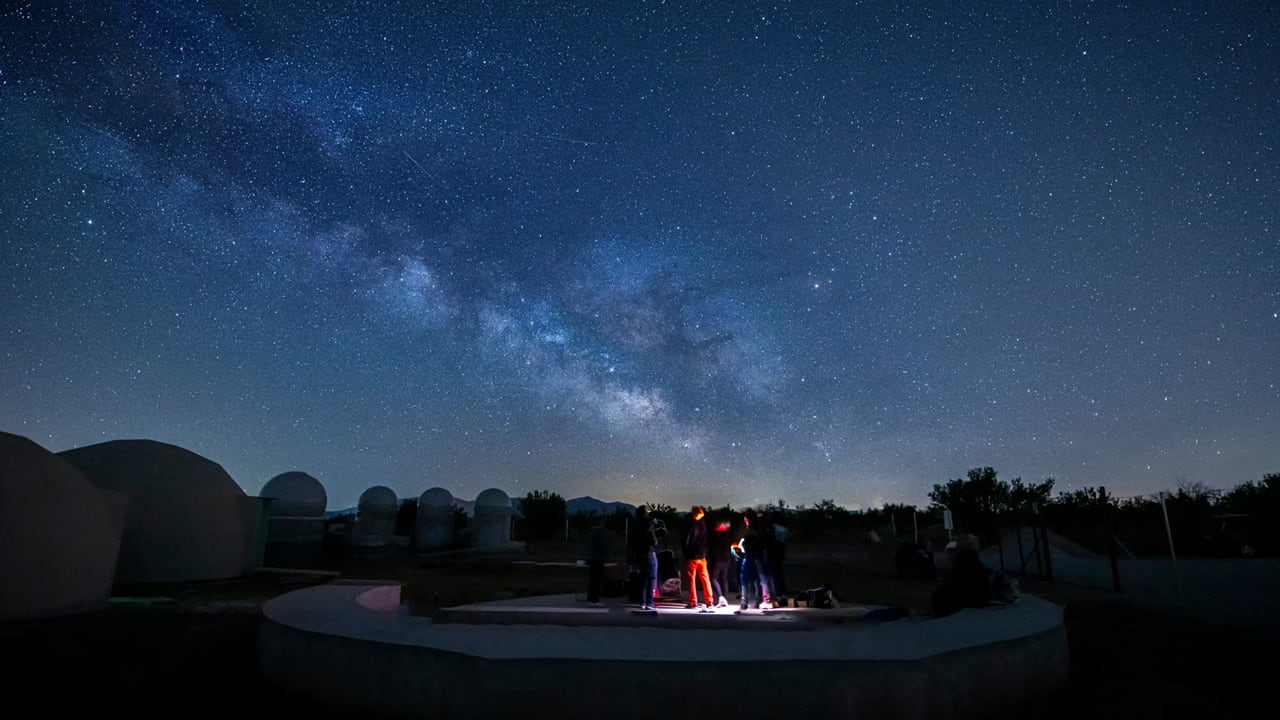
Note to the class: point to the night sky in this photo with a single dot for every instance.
(723, 252)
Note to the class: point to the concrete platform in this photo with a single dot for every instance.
(574, 610)
(355, 646)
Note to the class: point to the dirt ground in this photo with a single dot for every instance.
(165, 650)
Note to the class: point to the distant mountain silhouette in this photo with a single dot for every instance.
(589, 504)
(586, 504)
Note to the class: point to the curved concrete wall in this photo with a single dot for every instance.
(326, 643)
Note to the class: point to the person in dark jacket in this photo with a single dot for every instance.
(642, 551)
(968, 586)
(695, 560)
(754, 581)
(776, 557)
(719, 560)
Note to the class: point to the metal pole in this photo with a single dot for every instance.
(1112, 550)
(1172, 555)
(1115, 560)
(1044, 537)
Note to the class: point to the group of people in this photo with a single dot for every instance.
(711, 555)
(754, 554)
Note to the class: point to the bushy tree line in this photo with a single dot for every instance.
(980, 504)
(1200, 520)
(1196, 518)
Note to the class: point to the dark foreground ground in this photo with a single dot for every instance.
(190, 650)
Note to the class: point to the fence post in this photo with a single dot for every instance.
(1044, 538)
(1111, 538)
(1172, 555)
(1022, 555)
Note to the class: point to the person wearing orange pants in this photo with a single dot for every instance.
(695, 561)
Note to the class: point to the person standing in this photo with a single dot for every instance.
(719, 560)
(776, 557)
(642, 547)
(968, 585)
(695, 560)
(754, 581)
(597, 555)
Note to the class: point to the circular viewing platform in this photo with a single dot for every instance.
(355, 646)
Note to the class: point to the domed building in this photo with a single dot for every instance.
(434, 528)
(187, 518)
(295, 494)
(492, 519)
(60, 534)
(376, 517)
(296, 517)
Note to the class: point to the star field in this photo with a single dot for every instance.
(648, 251)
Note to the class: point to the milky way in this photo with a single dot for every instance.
(650, 252)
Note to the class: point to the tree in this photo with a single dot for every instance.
(580, 523)
(406, 517)
(620, 520)
(666, 513)
(1088, 516)
(1086, 498)
(544, 514)
(1255, 497)
(1190, 511)
(1029, 500)
(827, 509)
(459, 521)
(976, 502)
(661, 509)
(825, 520)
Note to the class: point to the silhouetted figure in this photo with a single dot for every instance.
(776, 557)
(642, 549)
(753, 582)
(968, 585)
(719, 560)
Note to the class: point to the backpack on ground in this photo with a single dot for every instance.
(822, 597)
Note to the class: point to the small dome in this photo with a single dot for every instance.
(378, 498)
(436, 497)
(295, 494)
(493, 499)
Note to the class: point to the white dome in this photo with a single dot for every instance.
(295, 494)
(378, 498)
(436, 497)
(493, 499)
